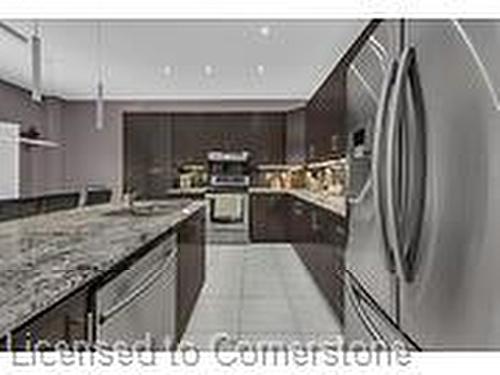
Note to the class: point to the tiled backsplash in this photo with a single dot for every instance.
(329, 178)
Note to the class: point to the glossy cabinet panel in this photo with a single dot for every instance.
(317, 235)
(268, 217)
(11, 209)
(66, 322)
(190, 268)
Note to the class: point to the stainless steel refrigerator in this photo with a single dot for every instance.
(423, 256)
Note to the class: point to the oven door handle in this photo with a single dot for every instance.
(148, 282)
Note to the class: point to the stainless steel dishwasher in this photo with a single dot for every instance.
(137, 307)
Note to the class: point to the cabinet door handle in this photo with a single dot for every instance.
(298, 210)
(314, 221)
(90, 327)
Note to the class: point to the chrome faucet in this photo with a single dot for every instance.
(130, 197)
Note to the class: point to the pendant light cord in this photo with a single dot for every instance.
(36, 28)
(36, 63)
(100, 86)
(99, 52)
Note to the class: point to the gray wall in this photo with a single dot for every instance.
(41, 168)
(88, 156)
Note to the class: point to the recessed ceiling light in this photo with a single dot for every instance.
(208, 70)
(167, 70)
(260, 69)
(265, 31)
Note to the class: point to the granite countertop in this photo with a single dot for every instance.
(336, 204)
(192, 190)
(44, 258)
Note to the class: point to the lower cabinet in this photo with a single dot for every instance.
(317, 235)
(190, 268)
(301, 224)
(320, 246)
(65, 323)
(325, 268)
(269, 215)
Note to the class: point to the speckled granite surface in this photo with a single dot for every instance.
(337, 204)
(182, 191)
(44, 258)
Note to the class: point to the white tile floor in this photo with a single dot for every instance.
(259, 292)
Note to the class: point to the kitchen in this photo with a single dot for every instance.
(239, 187)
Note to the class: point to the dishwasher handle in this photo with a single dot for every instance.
(149, 281)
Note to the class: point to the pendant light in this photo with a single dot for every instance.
(99, 115)
(36, 65)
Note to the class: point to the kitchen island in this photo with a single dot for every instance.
(48, 259)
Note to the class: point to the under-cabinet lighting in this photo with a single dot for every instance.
(99, 117)
(99, 121)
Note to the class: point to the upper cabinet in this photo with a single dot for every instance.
(325, 117)
(327, 129)
(260, 133)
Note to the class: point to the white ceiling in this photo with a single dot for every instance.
(295, 57)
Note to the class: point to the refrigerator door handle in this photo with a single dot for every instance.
(416, 196)
(404, 226)
(392, 230)
(379, 150)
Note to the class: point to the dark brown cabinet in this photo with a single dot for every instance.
(65, 323)
(300, 222)
(147, 154)
(269, 214)
(190, 268)
(328, 112)
(320, 246)
(318, 236)
(325, 117)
